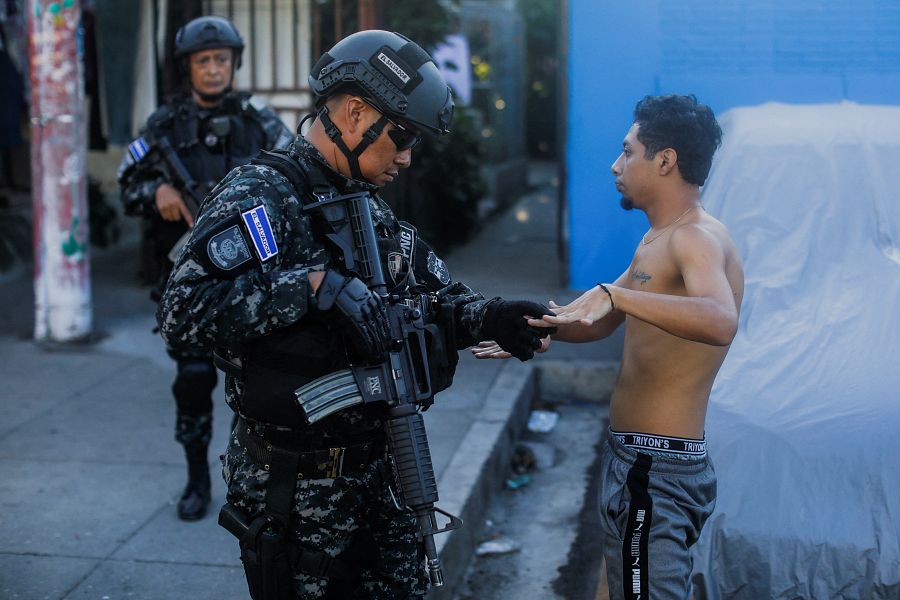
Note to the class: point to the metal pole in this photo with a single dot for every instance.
(338, 21)
(365, 15)
(58, 156)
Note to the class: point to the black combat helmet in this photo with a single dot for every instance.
(208, 32)
(391, 71)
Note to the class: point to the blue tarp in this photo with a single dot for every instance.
(804, 419)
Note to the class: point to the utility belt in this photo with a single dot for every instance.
(313, 464)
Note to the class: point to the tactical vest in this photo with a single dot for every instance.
(279, 363)
(213, 141)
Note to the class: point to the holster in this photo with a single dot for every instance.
(264, 553)
(269, 560)
(264, 550)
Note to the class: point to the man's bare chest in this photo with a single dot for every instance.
(653, 270)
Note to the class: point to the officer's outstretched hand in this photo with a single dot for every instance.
(505, 321)
(489, 349)
(363, 313)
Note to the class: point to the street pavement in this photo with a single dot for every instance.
(89, 469)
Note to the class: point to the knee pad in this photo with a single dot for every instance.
(193, 386)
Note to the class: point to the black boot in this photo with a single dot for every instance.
(195, 499)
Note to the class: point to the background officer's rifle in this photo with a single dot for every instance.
(176, 173)
(402, 380)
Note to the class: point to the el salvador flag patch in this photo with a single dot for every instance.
(257, 222)
(138, 149)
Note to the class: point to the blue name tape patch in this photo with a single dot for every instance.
(260, 230)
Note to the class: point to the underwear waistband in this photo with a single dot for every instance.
(661, 443)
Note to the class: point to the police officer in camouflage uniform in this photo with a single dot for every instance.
(210, 131)
(261, 283)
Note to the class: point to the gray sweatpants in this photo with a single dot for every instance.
(652, 507)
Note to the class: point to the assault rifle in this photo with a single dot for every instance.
(402, 381)
(177, 173)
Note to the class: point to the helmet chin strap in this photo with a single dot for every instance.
(334, 134)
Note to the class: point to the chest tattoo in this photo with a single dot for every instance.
(641, 276)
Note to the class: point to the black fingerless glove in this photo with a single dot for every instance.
(504, 322)
(362, 312)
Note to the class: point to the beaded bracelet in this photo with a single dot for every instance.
(608, 293)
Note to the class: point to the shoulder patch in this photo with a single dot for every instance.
(395, 266)
(260, 230)
(438, 268)
(138, 149)
(228, 250)
(408, 236)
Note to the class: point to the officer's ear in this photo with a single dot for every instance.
(355, 110)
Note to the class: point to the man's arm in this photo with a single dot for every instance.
(573, 331)
(708, 313)
(138, 183)
(602, 327)
(145, 188)
(139, 176)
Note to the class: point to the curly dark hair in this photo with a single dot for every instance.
(683, 124)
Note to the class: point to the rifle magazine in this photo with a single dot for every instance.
(327, 395)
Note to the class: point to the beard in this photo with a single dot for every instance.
(626, 203)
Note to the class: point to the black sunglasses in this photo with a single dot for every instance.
(402, 137)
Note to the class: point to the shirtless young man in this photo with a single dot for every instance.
(679, 300)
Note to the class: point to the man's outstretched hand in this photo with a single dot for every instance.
(586, 309)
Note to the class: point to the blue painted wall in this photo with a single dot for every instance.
(727, 52)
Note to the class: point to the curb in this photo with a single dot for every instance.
(578, 380)
(466, 490)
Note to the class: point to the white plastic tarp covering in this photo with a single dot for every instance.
(804, 419)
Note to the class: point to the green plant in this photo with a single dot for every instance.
(541, 31)
(427, 25)
(444, 184)
(447, 171)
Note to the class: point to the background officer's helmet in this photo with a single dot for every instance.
(393, 72)
(208, 32)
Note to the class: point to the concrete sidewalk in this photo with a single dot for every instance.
(90, 472)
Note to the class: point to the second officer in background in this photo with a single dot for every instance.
(186, 147)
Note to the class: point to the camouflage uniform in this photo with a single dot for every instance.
(207, 157)
(263, 311)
